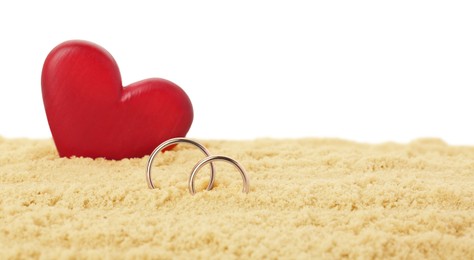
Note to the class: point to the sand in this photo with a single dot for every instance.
(309, 198)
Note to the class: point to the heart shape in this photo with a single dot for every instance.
(91, 114)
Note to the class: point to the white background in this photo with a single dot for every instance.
(369, 71)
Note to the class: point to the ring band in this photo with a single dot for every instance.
(171, 142)
(211, 158)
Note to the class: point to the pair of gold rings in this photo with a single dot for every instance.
(207, 160)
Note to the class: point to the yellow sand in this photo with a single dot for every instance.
(309, 198)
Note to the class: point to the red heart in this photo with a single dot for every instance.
(90, 114)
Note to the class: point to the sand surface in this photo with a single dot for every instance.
(309, 198)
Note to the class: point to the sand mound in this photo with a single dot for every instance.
(309, 198)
